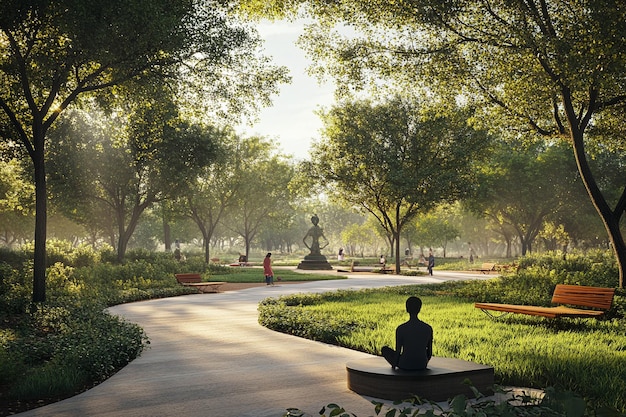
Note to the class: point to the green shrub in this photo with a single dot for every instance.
(555, 403)
(50, 381)
(594, 268)
(55, 349)
(15, 258)
(65, 348)
(277, 315)
(12, 365)
(15, 289)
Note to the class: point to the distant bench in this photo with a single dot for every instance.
(195, 280)
(597, 301)
(355, 267)
(486, 268)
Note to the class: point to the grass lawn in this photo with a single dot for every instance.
(586, 356)
(255, 274)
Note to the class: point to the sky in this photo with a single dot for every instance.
(291, 120)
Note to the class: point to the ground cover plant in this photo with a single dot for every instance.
(52, 350)
(586, 356)
(554, 403)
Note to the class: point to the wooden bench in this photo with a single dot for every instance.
(355, 267)
(195, 280)
(486, 268)
(443, 379)
(597, 301)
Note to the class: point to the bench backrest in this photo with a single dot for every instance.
(594, 297)
(488, 266)
(188, 278)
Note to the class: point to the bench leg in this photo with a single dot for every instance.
(495, 316)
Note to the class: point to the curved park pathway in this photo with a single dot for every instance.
(209, 357)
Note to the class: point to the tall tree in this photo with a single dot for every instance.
(55, 51)
(395, 159)
(358, 237)
(126, 164)
(548, 65)
(523, 186)
(207, 194)
(435, 230)
(263, 189)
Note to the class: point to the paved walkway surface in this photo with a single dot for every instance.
(209, 357)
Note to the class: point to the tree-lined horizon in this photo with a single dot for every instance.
(124, 114)
(555, 68)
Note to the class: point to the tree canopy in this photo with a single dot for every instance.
(395, 159)
(55, 51)
(555, 67)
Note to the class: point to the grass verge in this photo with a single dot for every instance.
(586, 356)
(254, 274)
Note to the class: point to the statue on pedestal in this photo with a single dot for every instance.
(315, 233)
(315, 260)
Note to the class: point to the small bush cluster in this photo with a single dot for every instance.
(554, 403)
(59, 350)
(276, 315)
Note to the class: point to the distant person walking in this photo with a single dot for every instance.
(267, 269)
(414, 341)
(431, 262)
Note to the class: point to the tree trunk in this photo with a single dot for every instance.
(122, 245)
(207, 249)
(41, 219)
(125, 235)
(167, 235)
(397, 250)
(610, 218)
(524, 245)
(247, 243)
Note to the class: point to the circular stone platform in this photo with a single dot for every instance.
(442, 380)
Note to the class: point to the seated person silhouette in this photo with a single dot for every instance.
(414, 341)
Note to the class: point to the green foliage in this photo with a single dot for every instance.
(555, 403)
(55, 349)
(583, 355)
(57, 251)
(58, 350)
(396, 159)
(595, 268)
(14, 258)
(14, 289)
(12, 364)
(537, 276)
(49, 381)
(500, 57)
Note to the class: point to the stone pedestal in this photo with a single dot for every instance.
(315, 262)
